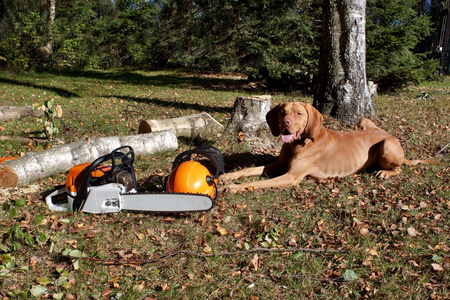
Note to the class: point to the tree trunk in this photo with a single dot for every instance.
(16, 112)
(249, 113)
(60, 159)
(342, 90)
(444, 42)
(47, 50)
(187, 126)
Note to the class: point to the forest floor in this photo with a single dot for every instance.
(354, 237)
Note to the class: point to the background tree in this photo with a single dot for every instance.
(342, 87)
(394, 30)
(47, 50)
(262, 38)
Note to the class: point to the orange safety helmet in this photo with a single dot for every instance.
(192, 177)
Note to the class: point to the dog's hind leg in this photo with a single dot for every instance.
(390, 157)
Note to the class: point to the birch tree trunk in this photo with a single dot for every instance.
(342, 90)
(47, 50)
(60, 159)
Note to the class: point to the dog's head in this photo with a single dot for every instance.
(294, 121)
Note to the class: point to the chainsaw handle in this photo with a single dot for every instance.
(127, 160)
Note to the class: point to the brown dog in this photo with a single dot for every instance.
(311, 150)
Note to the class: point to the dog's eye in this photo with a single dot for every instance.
(299, 113)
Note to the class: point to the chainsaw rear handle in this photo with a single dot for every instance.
(122, 159)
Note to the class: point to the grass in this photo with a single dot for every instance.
(393, 233)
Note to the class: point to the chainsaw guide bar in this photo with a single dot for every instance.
(107, 199)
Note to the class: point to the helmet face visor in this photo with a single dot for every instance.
(191, 177)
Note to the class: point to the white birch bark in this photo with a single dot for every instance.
(47, 50)
(60, 159)
(249, 113)
(342, 90)
(16, 112)
(186, 126)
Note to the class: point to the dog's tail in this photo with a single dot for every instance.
(420, 161)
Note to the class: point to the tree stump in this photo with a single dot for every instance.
(249, 113)
(186, 126)
(373, 89)
(60, 159)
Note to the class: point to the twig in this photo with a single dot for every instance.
(439, 152)
(303, 276)
(139, 261)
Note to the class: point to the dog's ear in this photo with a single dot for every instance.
(272, 120)
(315, 122)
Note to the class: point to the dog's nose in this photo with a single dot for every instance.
(287, 122)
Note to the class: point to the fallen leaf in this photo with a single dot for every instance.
(255, 262)
(38, 290)
(372, 252)
(33, 261)
(140, 236)
(73, 243)
(436, 258)
(412, 231)
(364, 231)
(43, 281)
(106, 293)
(349, 275)
(221, 230)
(241, 136)
(207, 249)
(437, 267)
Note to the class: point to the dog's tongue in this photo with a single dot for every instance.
(286, 138)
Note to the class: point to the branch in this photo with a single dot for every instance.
(139, 261)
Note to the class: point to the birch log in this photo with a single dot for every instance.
(16, 112)
(187, 126)
(60, 159)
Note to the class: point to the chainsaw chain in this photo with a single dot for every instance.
(213, 202)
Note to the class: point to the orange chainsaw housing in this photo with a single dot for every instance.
(76, 176)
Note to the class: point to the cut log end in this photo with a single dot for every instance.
(8, 177)
(144, 127)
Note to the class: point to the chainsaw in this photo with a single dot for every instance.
(108, 185)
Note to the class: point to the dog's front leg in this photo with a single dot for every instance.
(273, 169)
(285, 180)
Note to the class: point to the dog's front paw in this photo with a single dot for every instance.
(233, 188)
(226, 178)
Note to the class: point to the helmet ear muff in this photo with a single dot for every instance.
(210, 180)
(191, 177)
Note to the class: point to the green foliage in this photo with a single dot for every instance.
(264, 39)
(50, 120)
(268, 38)
(393, 31)
(18, 49)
